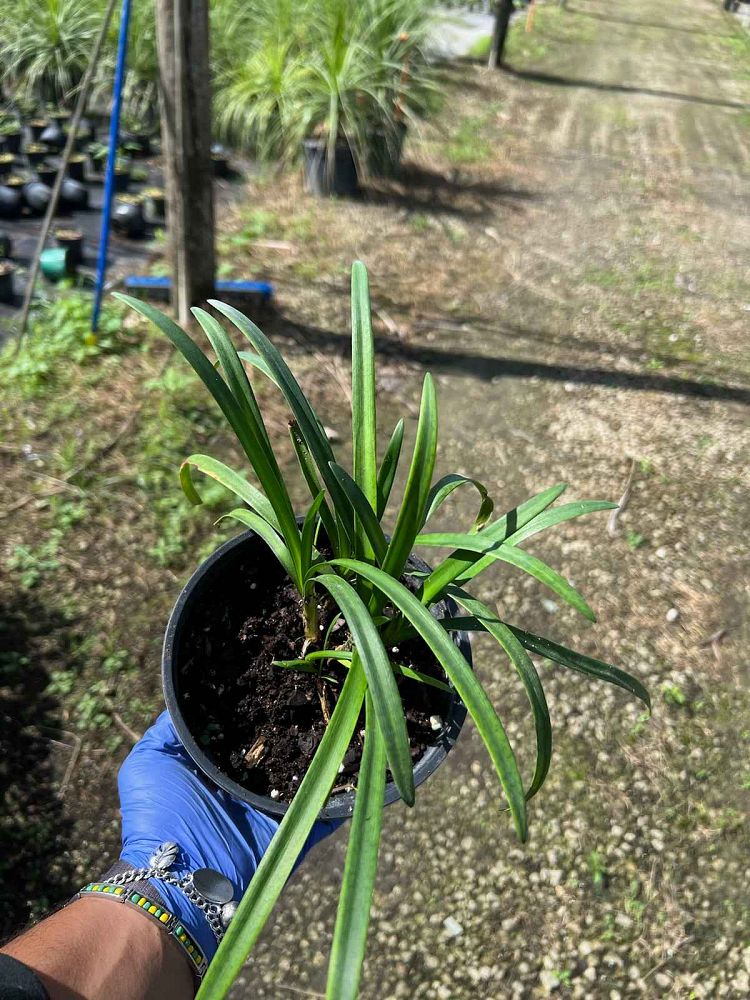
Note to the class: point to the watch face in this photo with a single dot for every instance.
(212, 886)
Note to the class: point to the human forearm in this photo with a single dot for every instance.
(94, 949)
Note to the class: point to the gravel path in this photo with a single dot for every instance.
(590, 318)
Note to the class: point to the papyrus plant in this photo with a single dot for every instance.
(363, 572)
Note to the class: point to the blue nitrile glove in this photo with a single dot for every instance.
(164, 797)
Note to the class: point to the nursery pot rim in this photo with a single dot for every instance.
(343, 805)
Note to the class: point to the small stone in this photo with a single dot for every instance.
(549, 981)
(662, 980)
(672, 615)
(436, 722)
(549, 606)
(274, 793)
(452, 927)
(332, 435)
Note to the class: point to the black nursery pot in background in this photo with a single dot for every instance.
(128, 218)
(323, 178)
(6, 245)
(36, 154)
(72, 241)
(46, 174)
(12, 141)
(7, 270)
(53, 136)
(37, 196)
(36, 127)
(385, 150)
(73, 195)
(11, 202)
(77, 168)
(216, 570)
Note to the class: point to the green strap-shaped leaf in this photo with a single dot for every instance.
(279, 860)
(230, 480)
(462, 564)
(557, 515)
(364, 422)
(529, 678)
(376, 543)
(272, 539)
(417, 675)
(353, 915)
(559, 654)
(463, 679)
(235, 375)
(411, 514)
(262, 457)
(313, 484)
(388, 467)
(257, 362)
(308, 533)
(380, 680)
(516, 557)
(228, 404)
(309, 425)
(582, 663)
(445, 486)
(344, 657)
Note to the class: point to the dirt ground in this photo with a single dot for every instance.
(567, 253)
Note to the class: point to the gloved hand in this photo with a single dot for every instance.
(164, 797)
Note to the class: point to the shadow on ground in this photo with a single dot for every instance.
(489, 367)
(644, 24)
(418, 188)
(553, 79)
(35, 758)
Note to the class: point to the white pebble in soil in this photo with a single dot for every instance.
(672, 615)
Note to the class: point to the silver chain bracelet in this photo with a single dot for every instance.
(205, 888)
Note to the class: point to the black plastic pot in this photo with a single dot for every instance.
(128, 219)
(221, 164)
(86, 130)
(12, 141)
(137, 143)
(60, 118)
(121, 181)
(36, 196)
(36, 155)
(7, 164)
(6, 282)
(156, 205)
(53, 136)
(323, 178)
(46, 174)
(36, 127)
(201, 582)
(73, 195)
(10, 202)
(77, 169)
(74, 246)
(6, 245)
(385, 149)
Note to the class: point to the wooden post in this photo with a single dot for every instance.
(185, 102)
(503, 10)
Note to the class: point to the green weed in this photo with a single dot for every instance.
(467, 145)
(60, 337)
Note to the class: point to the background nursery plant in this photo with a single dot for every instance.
(346, 569)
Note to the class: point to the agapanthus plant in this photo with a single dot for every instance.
(339, 551)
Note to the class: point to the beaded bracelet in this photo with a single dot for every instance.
(167, 920)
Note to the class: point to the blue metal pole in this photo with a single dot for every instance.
(109, 178)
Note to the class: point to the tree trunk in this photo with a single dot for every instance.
(503, 10)
(185, 103)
